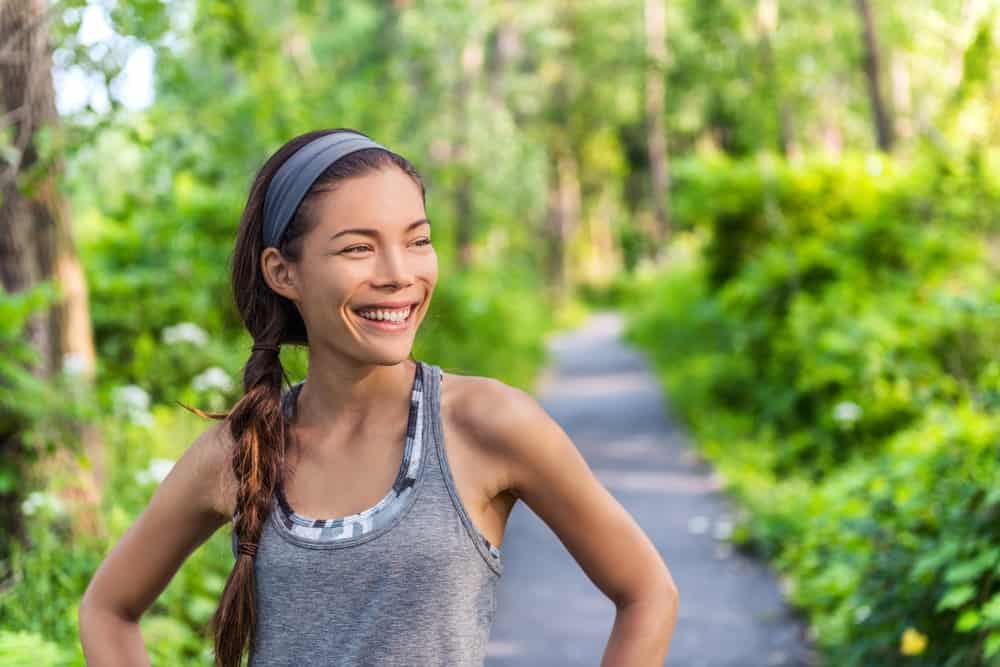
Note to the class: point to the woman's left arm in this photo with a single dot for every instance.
(546, 470)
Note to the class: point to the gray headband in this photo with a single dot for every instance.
(299, 172)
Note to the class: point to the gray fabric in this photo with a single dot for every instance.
(299, 172)
(420, 590)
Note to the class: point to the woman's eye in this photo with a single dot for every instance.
(352, 249)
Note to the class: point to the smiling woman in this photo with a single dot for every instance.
(368, 501)
(396, 265)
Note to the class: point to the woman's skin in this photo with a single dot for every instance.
(500, 442)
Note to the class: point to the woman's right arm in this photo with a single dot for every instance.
(191, 503)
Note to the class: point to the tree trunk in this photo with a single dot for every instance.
(902, 99)
(505, 49)
(562, 217)
(767, 26)
(831, 130)
(602, 263)
(883, 127)
(656, 139)
(471, 64)
(36, 241)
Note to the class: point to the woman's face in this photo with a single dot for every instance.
(368, 268)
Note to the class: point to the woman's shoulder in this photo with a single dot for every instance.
(469, 396)
(492, 412)
(212, 451)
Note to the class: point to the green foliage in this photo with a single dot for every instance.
(797, 258)
(51, 572)
(36, 417)
(17, 356)
(907, 539)
(830, 341)
(475, 328)
(24, 649)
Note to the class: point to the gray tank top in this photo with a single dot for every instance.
(409, 581)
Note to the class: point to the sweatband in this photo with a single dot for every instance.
(299, 172)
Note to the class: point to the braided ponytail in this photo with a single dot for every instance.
(257, 424)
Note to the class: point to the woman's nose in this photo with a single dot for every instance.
(392, 267)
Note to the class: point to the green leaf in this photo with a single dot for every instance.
(936, 558)
(7, 480)
(968, 621)
(956, 597)
(991, 610)
(993, 496)
(992, 645)
(970, 569)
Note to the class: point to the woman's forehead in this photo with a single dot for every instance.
(384, 199)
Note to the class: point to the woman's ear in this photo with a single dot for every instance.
(279, 273)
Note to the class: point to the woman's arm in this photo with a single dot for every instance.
(547, 471)
(186, 509)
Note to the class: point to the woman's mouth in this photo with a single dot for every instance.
(387, 319)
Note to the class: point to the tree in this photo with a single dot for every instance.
(873, 74)
(36, 241)
(656, 137)
(767, 26)
(466, 86)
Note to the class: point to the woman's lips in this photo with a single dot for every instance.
(389, 325)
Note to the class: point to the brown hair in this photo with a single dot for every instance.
(257, 424)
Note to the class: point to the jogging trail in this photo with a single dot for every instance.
(549, 613)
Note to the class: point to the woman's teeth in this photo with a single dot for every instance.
(386, 315)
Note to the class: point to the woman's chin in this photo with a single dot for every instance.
(389, 354)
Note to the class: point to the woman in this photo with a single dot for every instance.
(334, 252)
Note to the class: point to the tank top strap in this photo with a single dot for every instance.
(441, 479)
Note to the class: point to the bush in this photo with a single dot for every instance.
(831, 347)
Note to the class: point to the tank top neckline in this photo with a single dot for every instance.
(407, 482)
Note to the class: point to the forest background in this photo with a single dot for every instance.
(794, 202)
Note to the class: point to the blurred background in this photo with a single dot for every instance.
(793, 203)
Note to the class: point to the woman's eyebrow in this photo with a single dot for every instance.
(375, 232)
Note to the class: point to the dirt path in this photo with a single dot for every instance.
(550, 614)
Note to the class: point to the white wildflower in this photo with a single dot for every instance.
(74, 363)
(862, 613)
(142, 418)
(131, 397)
(40, 500)
(160, 468)
(185, 332)
(132, 401)
(157, 471)
(847, 412)
(873, 165)
(212, 378)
